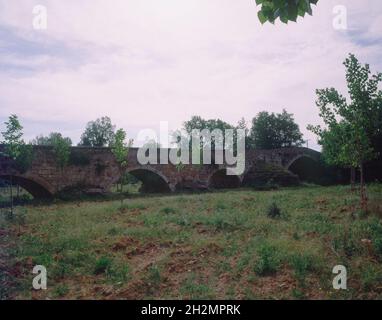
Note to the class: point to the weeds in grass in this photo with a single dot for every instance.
(194, 290)
(268, 260)
(296, 236)
(74, 241)
(219, 223)
(182, 220)
(112, 231)
(346, 243)
(221, 205)
(154, 277)
(131, 206)
(302, 264)
(168, 210)
(119, 272)
(298, 294)
(376, 235)
(273, 211)
(102, 265)
(123, 207)
(371, 277)
(61, 290)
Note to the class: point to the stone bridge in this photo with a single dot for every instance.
(95, 170)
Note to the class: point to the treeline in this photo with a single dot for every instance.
(268, 131)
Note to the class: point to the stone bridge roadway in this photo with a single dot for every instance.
(95, 170)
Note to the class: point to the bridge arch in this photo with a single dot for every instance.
(306, 167)
(36, 186)
(219, 179)
(153, 181)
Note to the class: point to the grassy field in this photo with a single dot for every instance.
(212, 245)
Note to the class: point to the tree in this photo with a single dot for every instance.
(285, 10)
(272, 131)
(12, 137)
(351, 127)
(61, 149)
(120, 149)
(98, 133)
(198, 123)
(16, 149)
(50, 139)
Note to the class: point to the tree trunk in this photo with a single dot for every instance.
(363, 188)
(11, 195)
(352, 178)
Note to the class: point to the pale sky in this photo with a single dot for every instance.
(145, 61)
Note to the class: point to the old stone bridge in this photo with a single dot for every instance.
(95, 170)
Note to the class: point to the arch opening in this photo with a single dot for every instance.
(152, 182)
(307, 169)
(221, 180)
(28, 186)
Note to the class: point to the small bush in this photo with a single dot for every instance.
(268, 260)
(301, 265)
(168, 210)
(103, 264)
(273, 211)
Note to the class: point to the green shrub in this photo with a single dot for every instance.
(301, 264)
(168, 210)
(268, 260)
(102, 265)
(273, 211)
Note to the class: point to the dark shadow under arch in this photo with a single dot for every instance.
(34, 188)
(220, 180)
(307, 169)
(152, 182)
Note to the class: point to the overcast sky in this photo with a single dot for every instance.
(143, 61)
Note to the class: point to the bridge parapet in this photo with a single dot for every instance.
(96, 170)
